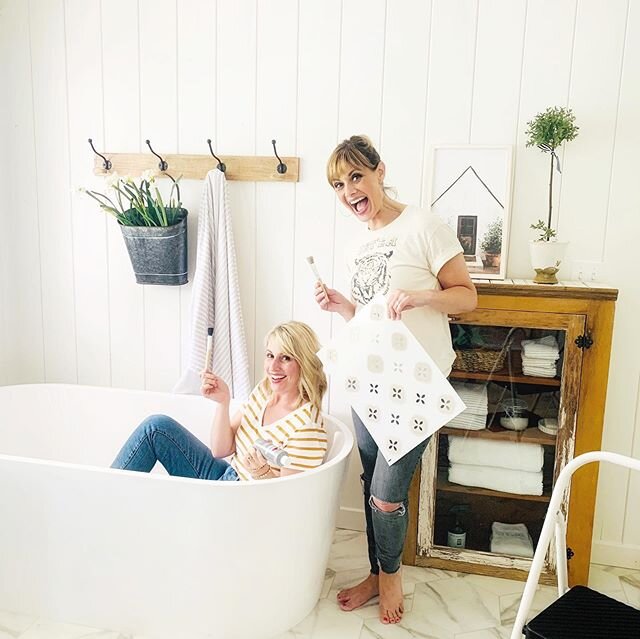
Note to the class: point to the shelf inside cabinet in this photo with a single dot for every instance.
(446, 486)
(516, 376)
(530, 435)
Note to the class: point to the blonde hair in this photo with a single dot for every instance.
(298, 340)
(356, 152)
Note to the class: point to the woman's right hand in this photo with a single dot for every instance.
(331, 300)
(214, 387)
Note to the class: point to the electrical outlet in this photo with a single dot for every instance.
(587, 271)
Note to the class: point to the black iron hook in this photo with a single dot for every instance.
(221, 165)
(163, 165)
(105, 163)
(282, 167)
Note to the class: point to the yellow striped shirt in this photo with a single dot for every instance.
(301, 434)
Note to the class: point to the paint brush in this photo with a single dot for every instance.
(207, 358)
(314, 268)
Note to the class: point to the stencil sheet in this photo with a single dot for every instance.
(393, 385)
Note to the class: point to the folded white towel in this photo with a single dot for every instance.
(500, 454)
(511, 539)
(474, 397)
(517, 482)
(466, 421)
(538, 363)
(543, 347)
(538, 371)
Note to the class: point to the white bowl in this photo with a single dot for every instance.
(514, 423)
(548, 426)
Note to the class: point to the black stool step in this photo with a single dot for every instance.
(582, 613)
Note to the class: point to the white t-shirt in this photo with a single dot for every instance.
(407, 253)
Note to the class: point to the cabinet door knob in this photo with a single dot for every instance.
(454, 318)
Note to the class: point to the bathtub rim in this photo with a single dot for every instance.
(344, 452)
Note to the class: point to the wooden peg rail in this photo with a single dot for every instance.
(246, 168)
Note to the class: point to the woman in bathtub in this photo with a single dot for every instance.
(284, 408)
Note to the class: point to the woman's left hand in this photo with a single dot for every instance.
(256, 464)
(402, 300)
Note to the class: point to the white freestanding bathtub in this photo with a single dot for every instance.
(152, 554)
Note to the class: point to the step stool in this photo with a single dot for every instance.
(582, 613)
(579, 613)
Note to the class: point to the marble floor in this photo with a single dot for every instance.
(439, 604)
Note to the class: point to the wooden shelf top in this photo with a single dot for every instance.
(446, 486)
(564, 288)
(529, 435)
(503, 374)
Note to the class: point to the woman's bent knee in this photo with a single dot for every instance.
(396, 508)
(155, 423)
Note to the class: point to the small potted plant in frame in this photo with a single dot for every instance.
(154, 232)
(548, 130)
(491, 244)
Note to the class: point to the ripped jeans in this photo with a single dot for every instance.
(386, 531)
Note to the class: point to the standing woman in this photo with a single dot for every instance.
(415, 259)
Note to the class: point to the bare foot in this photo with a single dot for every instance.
(391, 600)
(358, 595)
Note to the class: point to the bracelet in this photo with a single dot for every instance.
(266, 472)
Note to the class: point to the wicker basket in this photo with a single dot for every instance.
(479, 359)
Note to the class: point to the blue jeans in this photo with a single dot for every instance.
(386, 531)
(160, 438)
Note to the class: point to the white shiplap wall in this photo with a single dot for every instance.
(409, 73)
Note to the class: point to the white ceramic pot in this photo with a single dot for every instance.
(546, 258)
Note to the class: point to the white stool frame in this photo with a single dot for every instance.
(555, 519)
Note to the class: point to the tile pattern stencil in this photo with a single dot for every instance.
(439, 604)
(393, 384)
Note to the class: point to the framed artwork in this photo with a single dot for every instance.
(470, 189)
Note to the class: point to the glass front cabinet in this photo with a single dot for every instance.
(531, 367)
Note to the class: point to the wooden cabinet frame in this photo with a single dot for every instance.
(579, 311)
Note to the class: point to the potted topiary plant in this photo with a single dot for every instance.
(491, 244)
(548, 130)
(154, 232)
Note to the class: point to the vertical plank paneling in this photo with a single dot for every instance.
(25, 339)
(616, 513)
(362, 53)
(360, 111)
(596, 63)
(451, 68)
(409, 74)
(158, 119)
(276, 92)
(6, 187)
(196, 120)
(89, 222)
(120, 55)
(319, 41)
(546, 71)
(496, 81)
(47, 35)
(404, 102)
(235, 135)
(630, 523)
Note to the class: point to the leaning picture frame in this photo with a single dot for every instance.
(470, 189)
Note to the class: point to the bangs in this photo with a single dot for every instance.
(282, 340)
(345, 158)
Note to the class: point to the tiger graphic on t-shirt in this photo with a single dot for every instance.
(371, 276)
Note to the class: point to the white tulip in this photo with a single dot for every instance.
(111, 180)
